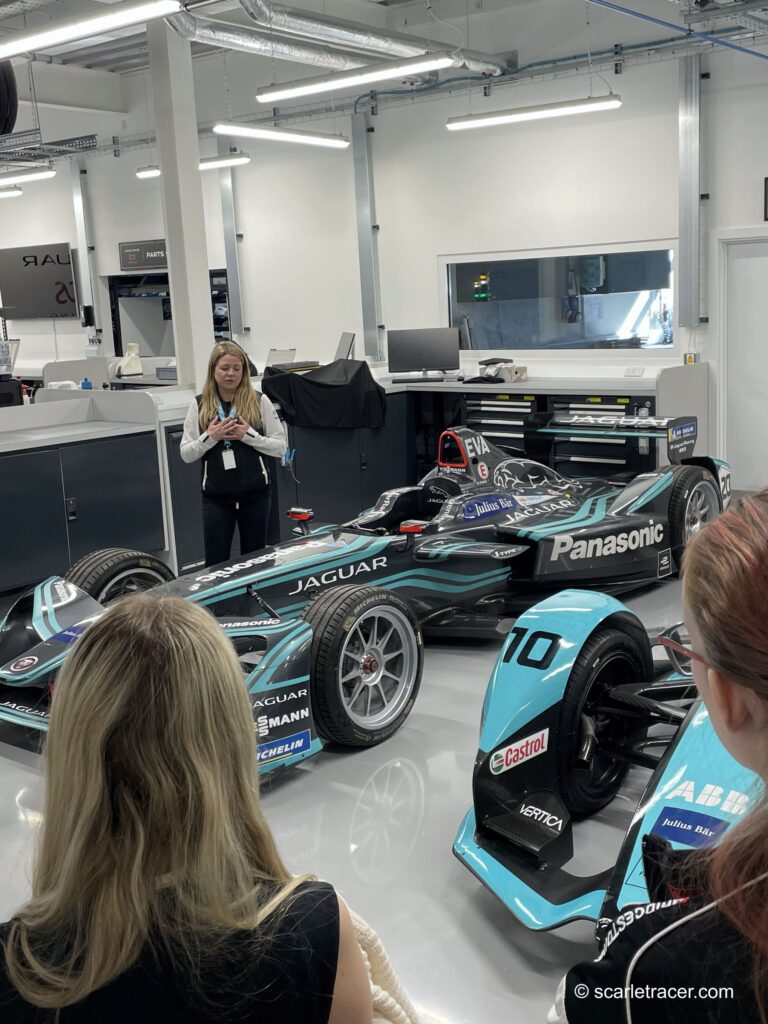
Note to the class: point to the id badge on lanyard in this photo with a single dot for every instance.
(228, 452)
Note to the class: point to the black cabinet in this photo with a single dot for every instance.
(60, 503)
(112, 495)
(342, 472)
(33, 525)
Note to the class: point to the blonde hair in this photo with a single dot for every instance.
(153, 830)
(725, 577)
(246, 400)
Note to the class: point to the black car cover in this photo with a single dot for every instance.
(341, 394)
(8, 100)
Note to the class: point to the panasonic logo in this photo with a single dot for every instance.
(543, 817)
(602, 547)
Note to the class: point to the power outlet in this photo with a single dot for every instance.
(634, 371)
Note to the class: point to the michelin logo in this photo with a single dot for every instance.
(288, 747)
(603, 547)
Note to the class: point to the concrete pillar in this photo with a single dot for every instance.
(170, 65)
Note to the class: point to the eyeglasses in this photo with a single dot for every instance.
(680, 653)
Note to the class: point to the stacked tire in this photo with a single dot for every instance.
(9, 103)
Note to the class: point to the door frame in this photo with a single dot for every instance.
(721, 243)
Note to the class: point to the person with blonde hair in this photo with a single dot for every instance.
(700, 952)
(229, 428)
(158, 894)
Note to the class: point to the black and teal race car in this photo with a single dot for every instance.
(329, 625)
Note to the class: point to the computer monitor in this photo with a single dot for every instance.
(280, 355)
(346, 345)
(433, 348)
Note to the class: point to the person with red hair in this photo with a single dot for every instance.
(704, 957)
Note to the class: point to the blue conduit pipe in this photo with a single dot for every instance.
(679, 28)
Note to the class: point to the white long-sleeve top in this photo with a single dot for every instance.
(196, 443)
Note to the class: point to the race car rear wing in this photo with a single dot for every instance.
(680, 432)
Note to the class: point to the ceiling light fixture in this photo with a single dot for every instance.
(537, 113)
(360, 76)
(150, 171)
(21, 177)
(70, 31)
(234, 159)
(282, 135)
(9, 193)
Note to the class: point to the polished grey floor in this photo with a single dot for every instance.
(379, 824)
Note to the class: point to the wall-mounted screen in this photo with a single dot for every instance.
(613, 300)
(37, 282)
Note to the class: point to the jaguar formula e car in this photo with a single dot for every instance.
(575, 699)
(475, 541)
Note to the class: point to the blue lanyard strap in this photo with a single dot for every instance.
(223, 415)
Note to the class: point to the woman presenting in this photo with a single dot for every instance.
(230, 427)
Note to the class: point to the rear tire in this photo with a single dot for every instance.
(693, 502)
(116, 572)
(366, 663)
(609, 657)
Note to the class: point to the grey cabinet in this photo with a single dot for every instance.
(60, 503)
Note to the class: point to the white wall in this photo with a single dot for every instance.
(141, 320)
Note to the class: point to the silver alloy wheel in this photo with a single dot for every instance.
(378, 667)
(702, 506)
(131, 581)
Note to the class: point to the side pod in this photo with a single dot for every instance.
(518, 834)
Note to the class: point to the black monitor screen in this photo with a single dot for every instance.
(436, 348)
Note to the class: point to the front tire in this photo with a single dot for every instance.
(609, 657)
(693, 502)
(116, 572)
(366, 663)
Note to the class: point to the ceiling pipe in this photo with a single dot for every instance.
(232, 38)
(338, 32)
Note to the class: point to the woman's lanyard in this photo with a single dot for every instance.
(223, 415)
(228, 455)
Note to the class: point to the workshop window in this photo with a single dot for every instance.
(616, 300)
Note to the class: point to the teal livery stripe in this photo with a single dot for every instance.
(23, 679)
(583, 518)
(43, 619)
(272, 686)
(277, 575)
(659, 435)
(21, 718)
(661, 485)
(425, 579)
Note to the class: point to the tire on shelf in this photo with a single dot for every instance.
(110, 573)
(694, 501)
(365, 665)
(9, 104)
(608, 658)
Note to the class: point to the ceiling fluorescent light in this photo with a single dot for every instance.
(234, 159)
(360, 76)
(21, 177)
(282, 135)
(120, 17)
(9, 193)
(151, 171)
(544, 110)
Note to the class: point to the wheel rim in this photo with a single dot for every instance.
(609, 730)
(130, 581)
(377, 667)
(701, 508)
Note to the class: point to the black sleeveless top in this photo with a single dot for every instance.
(290, 981)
